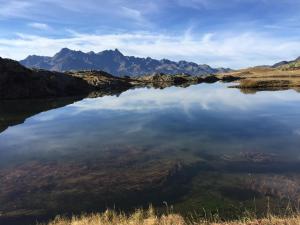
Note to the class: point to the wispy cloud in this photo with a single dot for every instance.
(132, 13)
(221, 4)
(40, 26)
(13, 8)
(76, 11)
(217, 49)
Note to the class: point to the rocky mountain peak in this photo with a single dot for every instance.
(114, 62)
(65, 51)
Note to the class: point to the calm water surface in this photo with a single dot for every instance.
(204, 146)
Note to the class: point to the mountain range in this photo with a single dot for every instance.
(114, 62)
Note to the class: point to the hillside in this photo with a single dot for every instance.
(114, 62)
(288, 65)
(16, 81)
(280, 77)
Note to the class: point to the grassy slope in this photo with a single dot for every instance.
(149, 218)
(293, 65)
(266, 78)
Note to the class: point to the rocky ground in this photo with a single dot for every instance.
(33, 189)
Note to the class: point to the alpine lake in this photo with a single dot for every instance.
(202, 150)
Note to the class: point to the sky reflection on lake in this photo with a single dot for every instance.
(206, 117)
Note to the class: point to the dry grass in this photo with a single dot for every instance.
(262, 78)
(149, 217)
(263, 73)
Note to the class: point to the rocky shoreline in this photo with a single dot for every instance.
(19, 82)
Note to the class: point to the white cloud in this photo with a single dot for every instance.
(40, 26)
(217, 49)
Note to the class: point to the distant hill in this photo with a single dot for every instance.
(288, 65)
(114, 62)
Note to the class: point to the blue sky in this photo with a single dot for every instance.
(228, 33)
